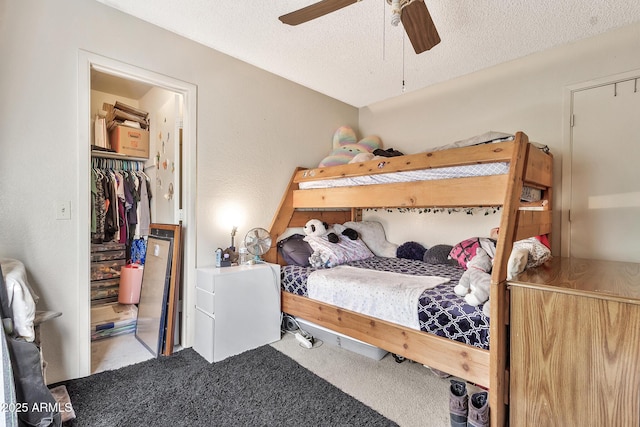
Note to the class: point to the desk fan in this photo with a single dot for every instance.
(258, 242)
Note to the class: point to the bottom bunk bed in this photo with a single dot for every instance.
(440, 315)
(438, 341)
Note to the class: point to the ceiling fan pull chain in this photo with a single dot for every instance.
(403, 88)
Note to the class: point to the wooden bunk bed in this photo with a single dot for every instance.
(528, 166)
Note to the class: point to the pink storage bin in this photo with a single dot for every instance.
(130, 284)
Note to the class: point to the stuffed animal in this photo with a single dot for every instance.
(475, 283)
(317, 228)
(346, 231)
(526, 253)
(363, 157)
(346, 146)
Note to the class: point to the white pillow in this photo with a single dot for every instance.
(372, 233)
(333, 254)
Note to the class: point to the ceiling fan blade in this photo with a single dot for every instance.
(314, 11)
(419, 26)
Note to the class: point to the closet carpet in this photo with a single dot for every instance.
(259, 387)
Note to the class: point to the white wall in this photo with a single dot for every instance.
(253, 128)
(526, 94)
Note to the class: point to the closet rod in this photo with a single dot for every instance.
(117, 164)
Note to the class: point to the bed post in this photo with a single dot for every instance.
(499, 354)
(281, 219)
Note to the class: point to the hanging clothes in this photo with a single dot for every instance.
(100, 212)
(120, 201)
(144, 212)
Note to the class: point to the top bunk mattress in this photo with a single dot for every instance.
(440, 310)
(484, 169)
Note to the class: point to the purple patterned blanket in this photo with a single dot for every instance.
(440, 310)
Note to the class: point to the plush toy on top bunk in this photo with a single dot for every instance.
(347, 148)
(475, 283)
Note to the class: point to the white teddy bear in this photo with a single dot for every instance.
(475, 283)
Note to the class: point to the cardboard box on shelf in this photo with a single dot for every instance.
(130, 141)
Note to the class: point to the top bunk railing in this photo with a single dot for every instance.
(475, 191)
(488, 153)
(537, 172)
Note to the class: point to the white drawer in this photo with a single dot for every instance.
(205, 301)
(205, 279)
(204, 335)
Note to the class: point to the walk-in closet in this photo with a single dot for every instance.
(136, 131)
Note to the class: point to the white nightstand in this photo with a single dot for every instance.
(237, 309)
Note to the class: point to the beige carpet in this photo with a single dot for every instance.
(407, 393)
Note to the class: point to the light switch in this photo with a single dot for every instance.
(63, 209)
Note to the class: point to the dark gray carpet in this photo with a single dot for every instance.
(261, 387)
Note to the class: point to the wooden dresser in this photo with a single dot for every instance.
(575, 344)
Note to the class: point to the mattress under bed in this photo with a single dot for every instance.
(440, 310)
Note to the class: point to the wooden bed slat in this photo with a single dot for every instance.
(539, 171)
(300, 218)
(533, 223)
(470, 362)
(466, 192)
(488, 153)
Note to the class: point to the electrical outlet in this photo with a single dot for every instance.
(63, 209)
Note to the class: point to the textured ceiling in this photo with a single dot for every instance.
(356, 56)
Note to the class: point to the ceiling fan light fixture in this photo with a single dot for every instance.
(395, 12)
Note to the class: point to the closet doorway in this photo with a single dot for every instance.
(601, 176)
(170, 169)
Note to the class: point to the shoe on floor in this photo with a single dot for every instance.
(458, 403)
(478, 410)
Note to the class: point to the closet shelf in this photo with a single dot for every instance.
(110, 155)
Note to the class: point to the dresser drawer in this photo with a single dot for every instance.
(205, 279)
(204, 335)
(205, 301)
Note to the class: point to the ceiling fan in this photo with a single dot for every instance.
(414, 15)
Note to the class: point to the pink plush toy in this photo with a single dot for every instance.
(346, 146)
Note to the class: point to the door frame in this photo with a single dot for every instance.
(567, 148)
(86, 61)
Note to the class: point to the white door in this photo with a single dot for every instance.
(604, 216)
